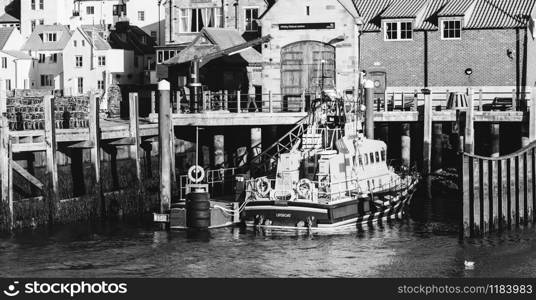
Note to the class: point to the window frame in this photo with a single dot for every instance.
(398, 30)
(4, 62)
(253, 21)
(141, 15)
(76, 57)
(41, 4)
(90, 10)
(101, 60)
(47, 80)
(41, 58)
(443, 29)
(80, 85)
(100, 84)
(186, 13)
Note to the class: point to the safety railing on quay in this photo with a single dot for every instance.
(483, 100)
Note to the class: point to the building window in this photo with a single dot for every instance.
(195, 19)
(90, 10)
(452, 29)
(141, 15)
(75, 43)
(120, 10)
(32, 4)
(252, 15)
(51, 37)
(154, 35)
(136, 62)
(53, 58)
(41, 4)
(164, 55)
(398, 31)
(78, 61)
(41, 22)
(308, 10)
(4, 62)
(8, 84)
(41, 58)
(32, 25)
(83, 43)
(47, 80)
(102, 61)
(80, 85)
(100, 84)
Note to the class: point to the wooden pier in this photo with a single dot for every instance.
(92, 149)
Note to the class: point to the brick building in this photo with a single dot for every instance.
(314, 46)
(449, 44)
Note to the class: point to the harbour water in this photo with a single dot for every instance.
(422, 246)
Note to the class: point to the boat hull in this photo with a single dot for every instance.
(338, 217)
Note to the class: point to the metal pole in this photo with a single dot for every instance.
(197, 145)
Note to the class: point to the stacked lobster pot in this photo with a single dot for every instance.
(27, 113)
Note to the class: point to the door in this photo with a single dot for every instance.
(307, 66)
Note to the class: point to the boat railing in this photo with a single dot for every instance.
(218, 181)
(328, 191)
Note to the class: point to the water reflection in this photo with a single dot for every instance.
(417, 247)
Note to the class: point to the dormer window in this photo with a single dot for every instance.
(398, 31)
(143, 39)
(451, 29)
(50, 37)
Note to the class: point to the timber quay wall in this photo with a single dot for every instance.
(49, 174)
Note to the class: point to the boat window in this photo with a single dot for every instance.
(377, 156)
(383, 154)
(371, 158)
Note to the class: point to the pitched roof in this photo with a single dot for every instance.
(219, 39)
(98, 42)
(35, 41)
(479, 14)
(7, 18)
(500, 14)
(17, 54)
(429, 16)
(128, 37)
(457, 8)
(403, 9)
(370, 11)
(5, 33)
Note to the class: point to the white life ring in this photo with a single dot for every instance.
(305, 188)
(262, 186)
(293, 195)
(196, 174)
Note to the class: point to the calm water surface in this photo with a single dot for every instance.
(417, 247)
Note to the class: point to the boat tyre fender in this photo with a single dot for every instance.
(262, 185)
(293, 196)
(196, 174)
(305, 188)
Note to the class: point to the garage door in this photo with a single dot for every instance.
(301, 68)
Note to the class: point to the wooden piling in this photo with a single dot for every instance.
(495, 140)
(427, 139)
(51, 158)
(134, 129)
(6, 169)
(219, 151)
(437, 143)
(369, 113)
(95, 140)
(532, 116)
(164, 123)
(469, 125)
(405, 142)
